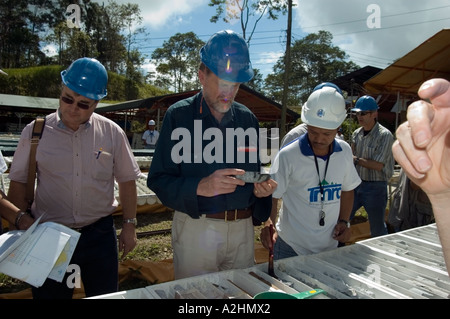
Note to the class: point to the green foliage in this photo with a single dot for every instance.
(138, 127)
(108, 32)
(348, 126)
(42, 81)
(314, 60)
(177, 61)
(45, 81)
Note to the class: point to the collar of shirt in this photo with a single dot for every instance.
(375, 128)
(63, 126)
(306, 149)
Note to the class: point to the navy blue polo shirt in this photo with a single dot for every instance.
(192, 145)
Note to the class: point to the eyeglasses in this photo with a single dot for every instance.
(81, 105)
(362, 113)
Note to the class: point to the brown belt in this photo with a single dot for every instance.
(231, 215)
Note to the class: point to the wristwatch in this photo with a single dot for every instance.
(346, 222)
(130, 221)
(356, 161)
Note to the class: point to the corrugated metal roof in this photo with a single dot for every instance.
(31, 104)
(428, 60)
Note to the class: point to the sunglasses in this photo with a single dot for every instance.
(81, 105)
(362, 113)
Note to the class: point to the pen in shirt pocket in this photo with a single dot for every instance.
(101, 151)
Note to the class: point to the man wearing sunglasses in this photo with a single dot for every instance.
(374, 161)
(79, 157)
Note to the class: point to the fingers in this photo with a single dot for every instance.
(264, 189)
(268, 236)
(437, 90)
(407, 162)
(220, 182)
(420, 115)
(230, 171)
(413, 159)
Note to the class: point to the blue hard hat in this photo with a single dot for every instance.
(87, 77)
(321, 85)
(365, 103)
(226, 55)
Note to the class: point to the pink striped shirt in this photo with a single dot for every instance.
(76, 170)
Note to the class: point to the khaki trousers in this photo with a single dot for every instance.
(207, 245)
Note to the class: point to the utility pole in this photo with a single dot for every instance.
(287, 67)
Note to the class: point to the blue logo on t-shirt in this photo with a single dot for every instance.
(331, 192)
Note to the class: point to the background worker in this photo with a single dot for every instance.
(150, 136)
(79, 157)
(212, 227)
(422, 149)
(372, 154)
(316, 178)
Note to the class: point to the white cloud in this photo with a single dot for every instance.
(148, 66)
(50, 50)
(403, 25)
(161, 13)
(270, 57)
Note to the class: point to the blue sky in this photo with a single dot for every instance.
(371, 32)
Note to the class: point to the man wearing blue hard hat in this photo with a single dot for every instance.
(374, 161)
(79, 157)
(212, 227)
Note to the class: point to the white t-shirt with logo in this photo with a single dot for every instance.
(294, 170)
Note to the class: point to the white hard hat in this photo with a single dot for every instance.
(151, 122)
(325, 108)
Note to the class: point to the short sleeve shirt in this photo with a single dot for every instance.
(76, 171)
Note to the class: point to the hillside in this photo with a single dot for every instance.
(45, 81)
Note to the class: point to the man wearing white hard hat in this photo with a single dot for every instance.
(150, 136)
(316, 178)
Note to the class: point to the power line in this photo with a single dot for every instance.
(384, 16)
(386, 28)
(355, 56)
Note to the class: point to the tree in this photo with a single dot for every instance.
(17, 41)
(177, 61)
(314, 59)
(247, 12)
(256, 83)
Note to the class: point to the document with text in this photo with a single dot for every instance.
(42, 251)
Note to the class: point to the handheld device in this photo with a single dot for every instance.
(253, 177)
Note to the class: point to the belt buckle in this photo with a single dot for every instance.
(235, 214)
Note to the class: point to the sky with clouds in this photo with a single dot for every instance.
(371, 32)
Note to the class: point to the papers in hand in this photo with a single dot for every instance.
(42, 251)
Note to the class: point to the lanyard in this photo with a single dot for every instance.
(322, 196)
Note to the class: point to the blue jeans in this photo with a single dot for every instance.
(281, 250)
(373, 196)
(97, 256)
